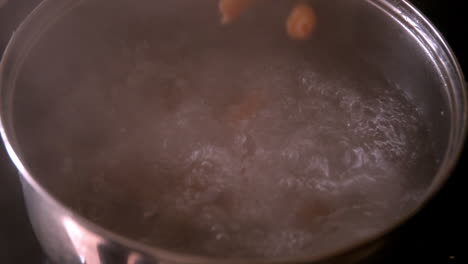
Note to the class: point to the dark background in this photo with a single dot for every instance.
(436, 235)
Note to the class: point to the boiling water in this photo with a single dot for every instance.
(200, 154)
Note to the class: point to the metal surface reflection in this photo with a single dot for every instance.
(86, 244)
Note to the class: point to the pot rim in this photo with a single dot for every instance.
(401, 10)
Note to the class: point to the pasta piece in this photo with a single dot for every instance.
(232, 9)
(301, 21)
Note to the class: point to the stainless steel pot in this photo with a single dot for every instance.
(391, 35)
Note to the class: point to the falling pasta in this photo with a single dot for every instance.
(301, 22)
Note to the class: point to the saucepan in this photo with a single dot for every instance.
(151, 132)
